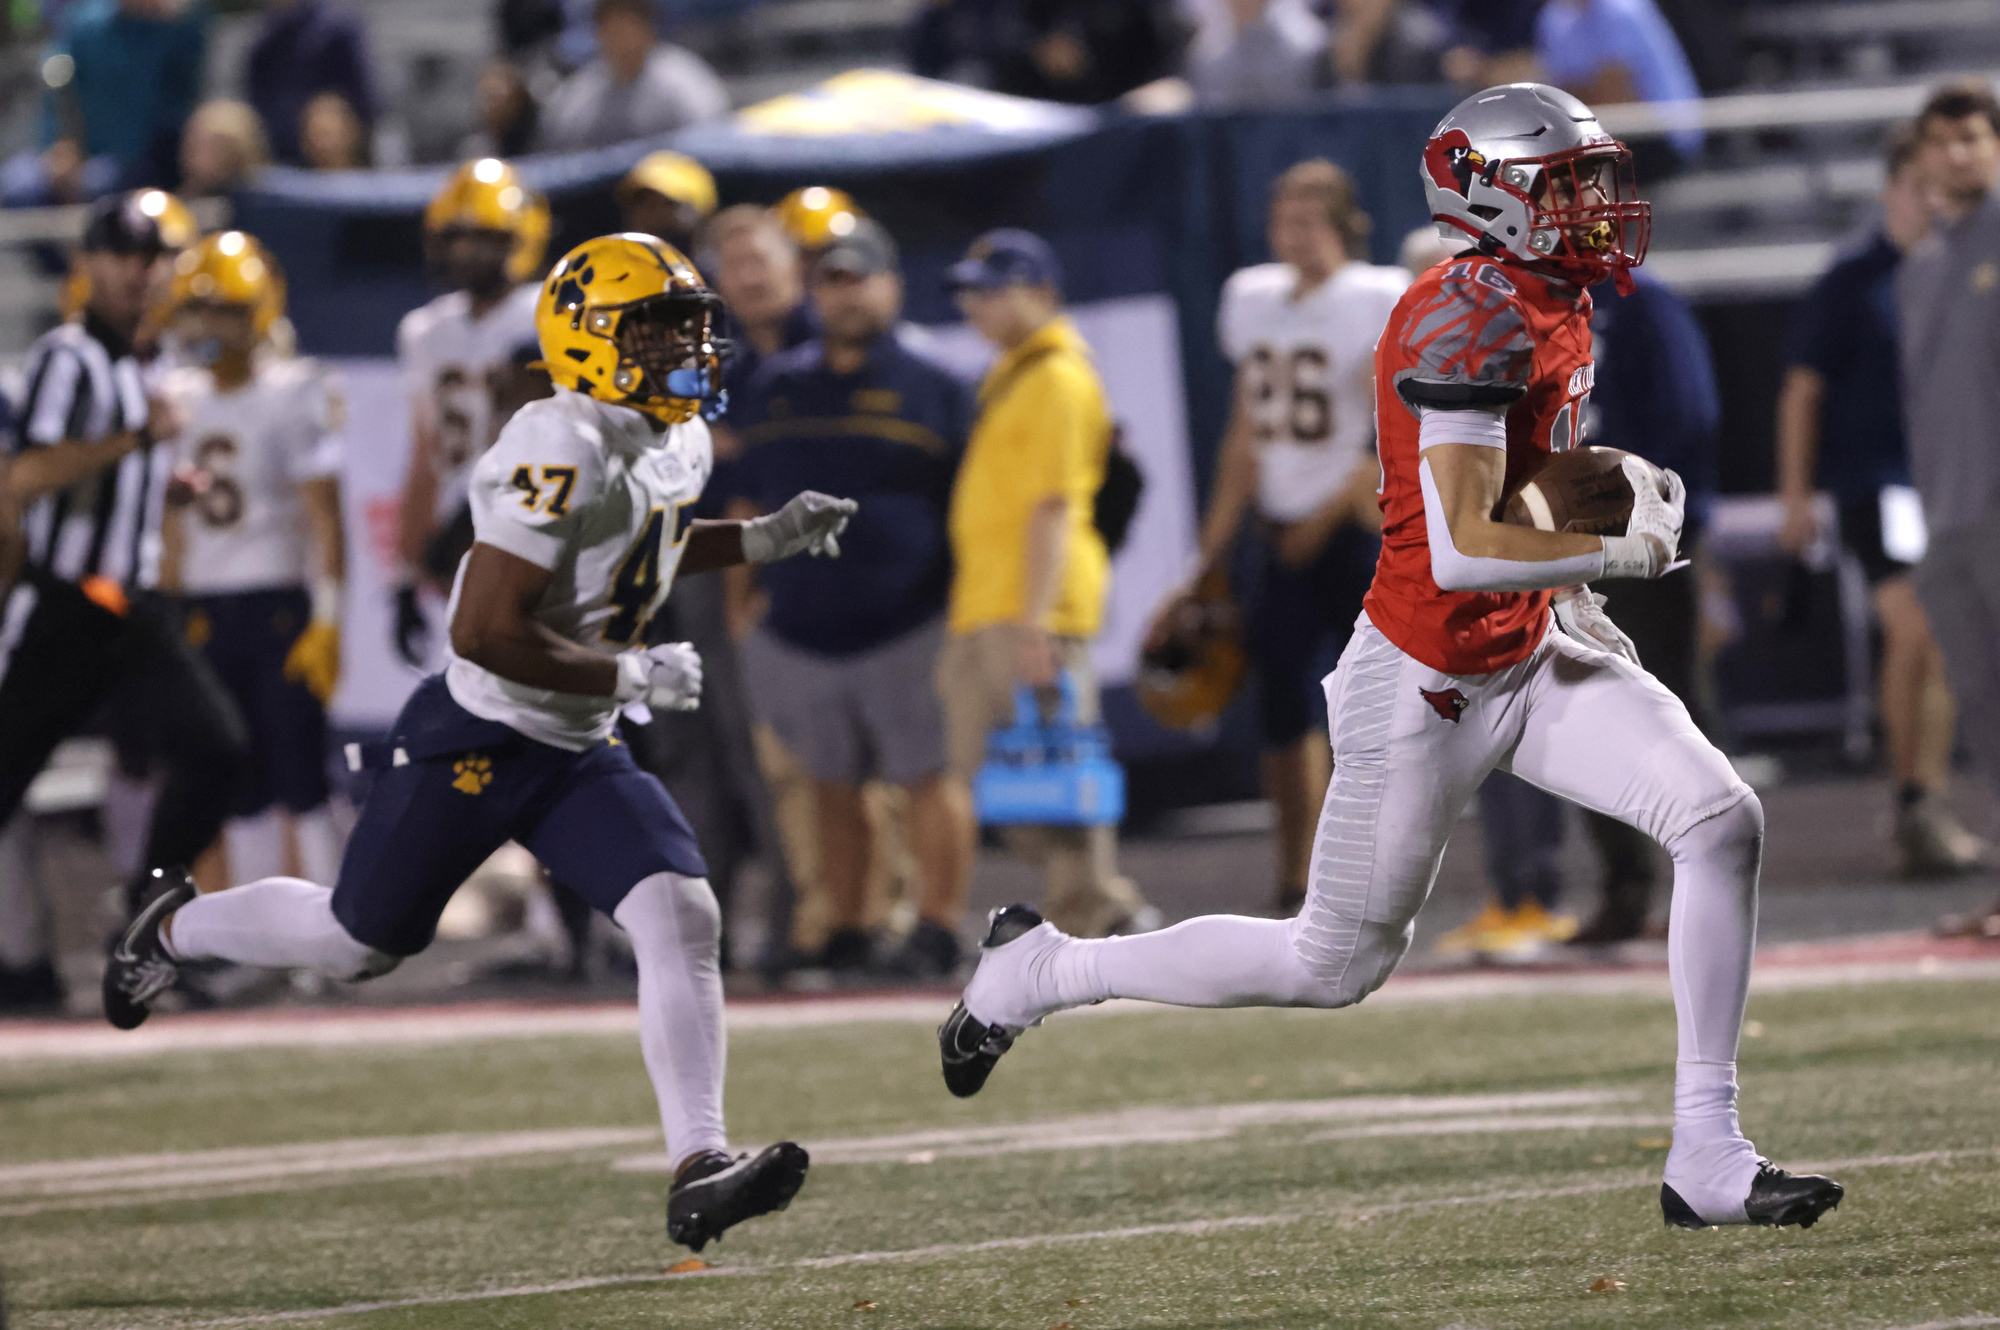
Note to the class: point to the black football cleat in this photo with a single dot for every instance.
(968, 1046)
(1777, 1200)
(140, 969)
(714, 1193)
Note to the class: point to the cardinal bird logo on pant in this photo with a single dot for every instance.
(1449, 703)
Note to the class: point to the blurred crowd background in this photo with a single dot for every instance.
(931, 290)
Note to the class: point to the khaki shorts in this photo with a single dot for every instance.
(976, 676)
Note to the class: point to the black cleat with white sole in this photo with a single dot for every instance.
(714, 1193)
(140, 969)
(1777, 1199)
(968, 1046)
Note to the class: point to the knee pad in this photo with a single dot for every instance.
(1343, 980)
(687, 905)
(1736, 833)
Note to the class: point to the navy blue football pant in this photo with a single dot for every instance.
(594, 820)
(1299, 623)
(245, 637)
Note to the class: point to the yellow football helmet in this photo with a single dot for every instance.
(675, 176)
(232, 268)
(488, 195)
(817, 215)
(627, 319)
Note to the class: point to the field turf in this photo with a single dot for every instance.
(1421, 1165)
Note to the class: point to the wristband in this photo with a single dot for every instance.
(1629, 556)
(326, 600)
(634, 674)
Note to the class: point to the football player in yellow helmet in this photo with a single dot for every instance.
(818, 215)
(485, 234)
(627, 319)
(486, 229)
(667, 195)
(253, 538)
(178, 229)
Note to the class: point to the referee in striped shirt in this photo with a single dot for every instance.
(84, 624)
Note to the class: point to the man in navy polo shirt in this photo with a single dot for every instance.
(842, 665)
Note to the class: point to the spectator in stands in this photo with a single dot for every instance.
(122, 77)
(668, 195)
(1030, 571)
(1948, 312)
(760, 278)
(331, 135)
(1607, 51)
(1387, 41)
(1491, 41)
(222, 147)
(1840, 428)
(305, 49)
(509, 117)
(1055, 50)
(1251, 55)
(636, 87)
(842, 665)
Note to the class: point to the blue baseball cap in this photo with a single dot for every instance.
(1003, 258)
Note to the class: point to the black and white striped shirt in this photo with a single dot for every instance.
(83, 384)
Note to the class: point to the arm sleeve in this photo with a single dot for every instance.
(530, 486)
(1453, 571)
(1468, 345)
(318, 447)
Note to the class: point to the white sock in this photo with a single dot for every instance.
(256, 845)
(1712, 934)
(281, 922)
(1218, 960)
(320, 845)
(676, 932)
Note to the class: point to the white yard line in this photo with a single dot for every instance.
(1188, 1228)
(67, 1184)
(385, 1027)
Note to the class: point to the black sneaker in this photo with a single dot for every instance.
(968, 1046)
(713, 1193)
(844, 949)
(139, 969)
(1777, 1199)
(931, 951)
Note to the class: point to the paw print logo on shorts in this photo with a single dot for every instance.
(472, 773)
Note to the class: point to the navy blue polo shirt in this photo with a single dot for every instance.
(889, 435)
(1655, 392)
(1845, 329)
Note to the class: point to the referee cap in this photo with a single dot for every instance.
(120, 224)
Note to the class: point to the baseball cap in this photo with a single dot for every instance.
(678, 177)
(864, 251)
(118, 224)
(1003, 258)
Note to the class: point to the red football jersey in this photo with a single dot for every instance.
(1471, 332)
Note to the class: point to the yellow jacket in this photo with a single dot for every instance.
(1044, 429)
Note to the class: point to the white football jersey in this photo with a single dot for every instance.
(447, 358)
(1306, 368)
(247, 530)
(601, 498)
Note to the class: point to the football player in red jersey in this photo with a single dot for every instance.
(1461, 665)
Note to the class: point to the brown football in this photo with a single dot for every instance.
(1583, 490)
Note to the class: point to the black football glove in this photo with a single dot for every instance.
(413, 630)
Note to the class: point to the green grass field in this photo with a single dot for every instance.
(1476, 1165)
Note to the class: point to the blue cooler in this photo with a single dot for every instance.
(1049, 772)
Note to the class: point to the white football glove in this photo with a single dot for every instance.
(1652, 538)
(810, 524)
(1580, 613)
(667, 676)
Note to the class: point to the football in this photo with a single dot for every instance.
(1582, 490)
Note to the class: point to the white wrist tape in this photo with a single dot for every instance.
(326, 600)
(635, 672)
(1453, 571)
(1630, 556)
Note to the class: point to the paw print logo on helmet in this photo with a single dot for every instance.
(1526, 174)
(626, 319)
